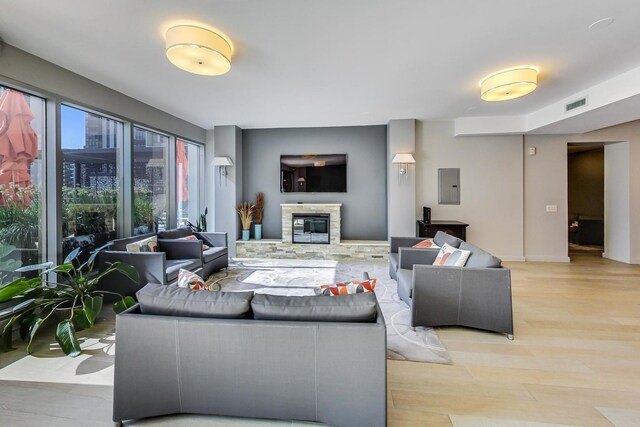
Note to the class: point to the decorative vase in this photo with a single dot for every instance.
(258, 231)
(245, 234)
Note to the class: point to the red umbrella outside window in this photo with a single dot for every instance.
(182, 170)
(18, 141)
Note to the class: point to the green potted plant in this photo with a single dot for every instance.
(245, 210)
(73, 297)
(201, 225)
(259, 212)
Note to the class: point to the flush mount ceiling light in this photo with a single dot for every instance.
(509, 84)
(198, 50)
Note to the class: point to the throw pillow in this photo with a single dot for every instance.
(192, 237)
(451, 256)
(189, 279)
(149, 244)
(354, 287)
(426, 243)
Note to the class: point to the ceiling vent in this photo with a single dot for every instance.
(575, 104)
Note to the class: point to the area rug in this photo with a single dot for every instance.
(300, 277)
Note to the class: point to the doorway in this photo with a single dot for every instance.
(586, 199)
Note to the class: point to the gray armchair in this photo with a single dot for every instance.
(214, 258)
(472, 296)
(156, 267)
(407, 242)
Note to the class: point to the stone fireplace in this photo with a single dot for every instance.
(311, 222)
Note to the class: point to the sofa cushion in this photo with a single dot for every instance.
(405, 282)
(150, 244)
(441, 238)
(426, 243)
(121, 244)
(174, 266)
(349, 308)
(191, 237)
(174, 301)
(190, 280)
(175, 233)
(213, 253)
(347, 288)
(450, 256)
(480, 258)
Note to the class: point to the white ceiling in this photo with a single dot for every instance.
(333, 62)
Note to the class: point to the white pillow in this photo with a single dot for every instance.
(146, 245)
(451, 256)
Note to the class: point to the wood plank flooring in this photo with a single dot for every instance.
(575, 360)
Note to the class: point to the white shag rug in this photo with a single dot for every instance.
(299, 277)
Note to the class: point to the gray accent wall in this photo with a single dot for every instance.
(364, 212)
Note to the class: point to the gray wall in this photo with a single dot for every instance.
(364, 213)
(401, 202)
(30, 72)
(586, 183)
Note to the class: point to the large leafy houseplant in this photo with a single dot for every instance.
(69, 288)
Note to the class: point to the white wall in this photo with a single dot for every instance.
(491, 184)
(545, 183)
(401, 192)
(616, 202)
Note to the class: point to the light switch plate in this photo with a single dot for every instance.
(552, 208)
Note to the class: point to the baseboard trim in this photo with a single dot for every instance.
(512, 258)
(542, 258)
(635, 261)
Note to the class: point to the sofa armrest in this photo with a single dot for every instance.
(213, 239)
(408, 257)
(181, 249)
(151, 267)
(467, 296)
(397, 242)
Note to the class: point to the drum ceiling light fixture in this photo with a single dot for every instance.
(509, 84)
(198, 50)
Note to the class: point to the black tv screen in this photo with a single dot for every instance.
(313, 173)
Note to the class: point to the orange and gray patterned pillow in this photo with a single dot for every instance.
(189, 279)
(450, 256)
(426, 243)
(145, 245)
(354, 287)
(192, 237)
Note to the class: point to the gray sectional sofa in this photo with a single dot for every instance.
(320, 359)
(477, 295)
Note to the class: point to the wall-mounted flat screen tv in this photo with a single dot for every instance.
(313, 173)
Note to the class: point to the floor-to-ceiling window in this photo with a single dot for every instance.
(22, 142)
(91, 184)
(150, 181)
(188, 158)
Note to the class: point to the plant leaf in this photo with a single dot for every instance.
(63, 268)
(128, 270)
(66, 337)
(92, 307)
(32, 331)
(123, 304)
(80, 320)
(14, 288)
(6, 250)
(72, 255)
(34, 267)
(7, 339)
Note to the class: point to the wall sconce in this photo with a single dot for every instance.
(221, 163)
(403, 160)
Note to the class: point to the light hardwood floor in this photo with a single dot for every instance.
(575, 360)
